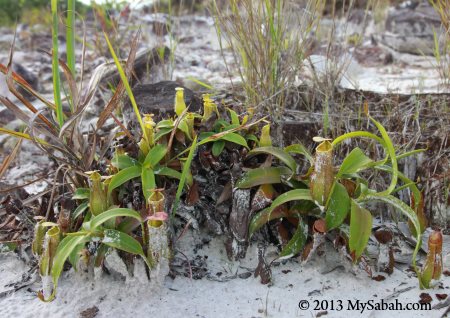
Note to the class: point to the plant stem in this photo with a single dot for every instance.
(70, 36)
(55, 64)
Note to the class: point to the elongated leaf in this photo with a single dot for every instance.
(258, 176)
(355, 161)
(217, 147)
(162, 132)
(168, 172)
(338, 207)
(128, 224)
(297, 242)
(80, 209)
(398, 204)
(111, 214)
(357, 134)
(21, 135)
(165, 123)
(81, 194)
(122, 241)
(411, 185)
(148, 182)
(154, 156)
(65, 248)
(125, 82)
(389, 148)
(360, 229)
(234, 117)
(235, 138)
(123, 161)
(279, 154)
(301, 150)
(75, 255)
(184, 174)
(123, 176)
(183, 126)
(270, 213)
(55, 64)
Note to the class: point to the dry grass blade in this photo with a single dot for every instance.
(10, 158)
(26, 86)
(10, 83)
(124, 129)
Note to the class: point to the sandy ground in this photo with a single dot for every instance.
(317, 283)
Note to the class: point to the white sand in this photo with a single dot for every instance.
(238, 297)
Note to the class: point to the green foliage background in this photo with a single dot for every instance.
(18, 10)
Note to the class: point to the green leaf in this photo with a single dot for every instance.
(258, 176)
(234, 117)
(168, 172)
(80, 209)
(355, 161)
(206, 137)
(279, 154)
(297, 242)
(123, 176)
(55, 64)
(360, 229)
(184, 174)
(162, 132)
(338, 207)
(389, 148)
(183, 126)
(81, 194)
(154, 156)
(165, 123)
(75, 255)
(123, 161)
(252, 138)
(235, 138)
(217, 147)
(266, 215)
(65, 248)
(301, 150)
(148, 182)
(411, 185)
(110, 214)
(398, 204)
(122, 241)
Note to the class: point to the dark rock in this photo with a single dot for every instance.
(6, 116)
(150, 66)
(410, 29)
(303, 131)
(159, 99)
(245, 275)
(90, 312)
(29, 77)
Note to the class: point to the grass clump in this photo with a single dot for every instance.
(269, 45)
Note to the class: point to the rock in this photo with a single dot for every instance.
(6, 116)
(28, 76)
(216, 66)
(373, 56)
(410, 29)
(31, 79)
(159, 99)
